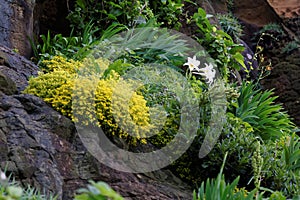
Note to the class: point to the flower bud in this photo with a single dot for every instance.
(2, 176)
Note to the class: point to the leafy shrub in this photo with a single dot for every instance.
(148, 45)
(45, 85)
(291, 153)
(128, 13)
(159, 95)
(230, 25)
(258, 108)
(219, 45)
(108, 12)
(168, 12)
(58, 44)
(236, 139)
(281, 170)
(219, 189)
(75, 47)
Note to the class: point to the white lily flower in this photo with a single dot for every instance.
(208, 72)
(2, 176)
(193, 63)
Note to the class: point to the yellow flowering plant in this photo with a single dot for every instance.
(56, 87)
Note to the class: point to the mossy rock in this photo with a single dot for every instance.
(7, 86)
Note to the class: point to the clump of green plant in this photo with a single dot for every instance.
(218, 188)
(230, 24)
(291, 153)
(272, 28)
(290, 47)
(11, 190)
(144, 46)
(73, 47)
(58, 44)
(106, 13)
(99, 191)
(280, 172)
(168, 12)
(258, 108)
(236, 139)
(230, 6)
(159, 95)
(129, 13)
(219, 45)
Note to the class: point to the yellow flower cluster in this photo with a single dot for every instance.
(59, 63)
(73, 86)
(242, 190)
(45, 85)
(121, 112)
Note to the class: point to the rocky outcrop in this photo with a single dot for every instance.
(40, 147)
(284, 77)
(286, 8)
(16, 25)
(16, 68)
(24, 20)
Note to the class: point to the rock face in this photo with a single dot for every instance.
(285, 75)
(286, 8)
(24, 19)
(41, 148)
(16, 25)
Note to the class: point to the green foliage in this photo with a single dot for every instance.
(74, 47)
(291, 154)
(159, 95)
(99, 191)
(257, 162)
(67, 46)
(277, 196)
(129, 13)
(230, 6)
(280, 171)
(11, 190)
(108, 12)
(251, 112)
(258, 108)
(219, 189)
(168, 12)
(272, 28)
(230, 24)
(219, 45)
(290, 47)
(145, 46)
(236, 139)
